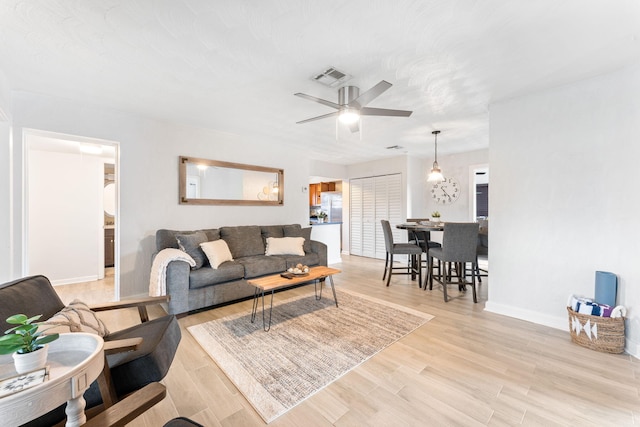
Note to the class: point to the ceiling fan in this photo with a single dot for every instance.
(351, 105)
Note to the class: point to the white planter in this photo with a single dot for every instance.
(31, 361)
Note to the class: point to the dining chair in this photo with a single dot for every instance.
(459, 247)
(413, 250)
(423, 239)
(482, 270)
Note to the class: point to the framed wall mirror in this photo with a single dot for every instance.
(212, 182)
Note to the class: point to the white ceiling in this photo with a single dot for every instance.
(234, 65)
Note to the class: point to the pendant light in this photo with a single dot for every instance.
(436, 174)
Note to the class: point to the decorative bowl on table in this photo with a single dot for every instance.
(299, 270)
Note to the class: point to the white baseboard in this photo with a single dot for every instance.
(528, 315)
(72, 280)
(556, 322)
(334, 260)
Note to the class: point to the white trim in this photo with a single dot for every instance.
(528, 315)
(472, 188)
(28, 132)
(73, 280)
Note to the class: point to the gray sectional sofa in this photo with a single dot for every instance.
(203, 287)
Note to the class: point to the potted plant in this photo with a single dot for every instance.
(27, 344)
(435, 215)
(322, 216)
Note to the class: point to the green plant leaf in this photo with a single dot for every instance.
(17, 319)
(46, 339)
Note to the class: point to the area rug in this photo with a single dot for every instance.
(311, 344)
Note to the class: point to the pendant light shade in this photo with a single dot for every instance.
(436, 173)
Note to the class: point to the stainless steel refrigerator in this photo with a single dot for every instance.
(331, 203)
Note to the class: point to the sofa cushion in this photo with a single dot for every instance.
(271, 231)
(259, 265)
(244, 240)
(296, 231)
(190, 243)
(206, 276)
(217, 252)
(309, 259)
(284, 246)
(167, 238)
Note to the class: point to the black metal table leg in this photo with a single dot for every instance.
(267, 328)
(254, 309)
(333, 288)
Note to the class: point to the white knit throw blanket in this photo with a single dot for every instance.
(158, 278)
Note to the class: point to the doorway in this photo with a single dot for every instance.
(480, 194)
(71, 208)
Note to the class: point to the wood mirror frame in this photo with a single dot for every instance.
(212, 182)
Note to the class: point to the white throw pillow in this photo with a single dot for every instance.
(217, 251)
(285, 246)
(76, 317)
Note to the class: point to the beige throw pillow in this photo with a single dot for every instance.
(217, 252)
(285, 246)
(76, 317)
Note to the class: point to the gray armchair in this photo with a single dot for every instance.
(136, 356)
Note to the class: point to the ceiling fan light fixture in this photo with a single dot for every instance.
(349, 116)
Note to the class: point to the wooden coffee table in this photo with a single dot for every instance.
(275, 282)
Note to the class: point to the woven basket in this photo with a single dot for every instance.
(604, 334)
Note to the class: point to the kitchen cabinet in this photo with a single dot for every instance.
(315, 191)
(328, 186)
(109, 237)
(314, 194)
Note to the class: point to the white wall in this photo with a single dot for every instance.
(65, 216)
(563, 202)
(416, 184)
(149, 152)
(5, 179)
(453, 166)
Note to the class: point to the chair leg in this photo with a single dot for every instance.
(419, 266)
(473, 285)
(390, 268)
(445, 280)
(386, 263)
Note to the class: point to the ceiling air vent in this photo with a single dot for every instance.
(331, 77)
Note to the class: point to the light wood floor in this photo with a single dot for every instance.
(465, 367)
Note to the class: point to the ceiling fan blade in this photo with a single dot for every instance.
(335, 113)
(318, 100)
(368, 111)
(371, 94)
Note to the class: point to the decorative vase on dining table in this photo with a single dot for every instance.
(26, 362)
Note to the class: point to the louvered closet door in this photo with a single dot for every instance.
(382, 212)
(356, 216)
(372, 200)
(388, 206)
(369, 218)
